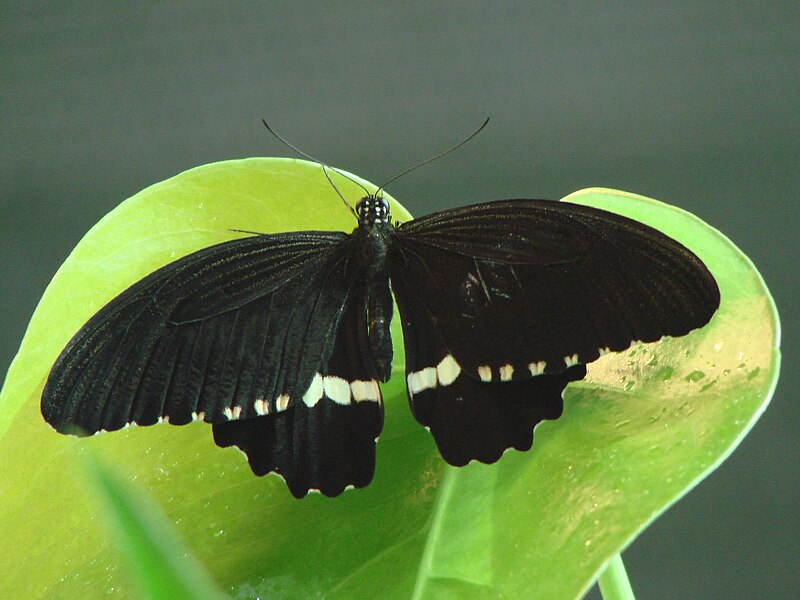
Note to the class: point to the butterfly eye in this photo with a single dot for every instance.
(362, 207)
(383, 208)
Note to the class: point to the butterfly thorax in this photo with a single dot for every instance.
(372, 236)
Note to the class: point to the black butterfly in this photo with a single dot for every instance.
(280, 340)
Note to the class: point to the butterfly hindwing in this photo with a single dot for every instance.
(327, 441)
(229, 332)
(468, 418)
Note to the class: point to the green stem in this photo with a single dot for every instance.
(613, 581)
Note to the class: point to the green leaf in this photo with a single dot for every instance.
(644, 428)
(164, 569)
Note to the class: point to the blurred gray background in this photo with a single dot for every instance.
(693, 103)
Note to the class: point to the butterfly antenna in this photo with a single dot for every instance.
(346, 203)
(432, 158)
(324, 167)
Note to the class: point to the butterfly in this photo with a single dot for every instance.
(280, 341)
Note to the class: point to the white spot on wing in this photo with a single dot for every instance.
(314, 392)
(506, 372)
(537, 368)
(571, 360)
(237, 412)
(448, 370)
(228, 413)
(198, 416)
(422, 380)
(365, 390)
(282, 403)
(261, 406)
(337, 389)
(485, 373)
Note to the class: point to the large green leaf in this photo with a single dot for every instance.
(644, 428)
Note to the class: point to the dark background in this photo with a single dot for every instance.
(693, 103)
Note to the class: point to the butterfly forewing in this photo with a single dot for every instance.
(220, 334)
(540, 286)
(503, 303)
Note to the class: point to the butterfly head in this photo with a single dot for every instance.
(372, 210)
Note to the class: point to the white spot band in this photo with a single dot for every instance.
(445, 373)
(337, 389)
(314, 392)
(448, 370)
(365, 390)
(537, 368)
